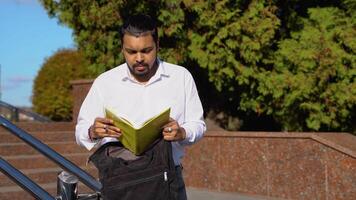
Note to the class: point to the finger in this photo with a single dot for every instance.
(164, 133)
(107, 126)
(173, 134)
(170, 129)
(92, 132)
(104, 120)
(170, 123)
(107, 133)
(99, 132)
(169, 138)
(112, 133)
(112, 130)
(102, 128)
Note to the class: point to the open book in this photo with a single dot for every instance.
(137, 140)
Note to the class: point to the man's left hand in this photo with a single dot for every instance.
(172, 131)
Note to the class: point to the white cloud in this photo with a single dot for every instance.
(26, 1)
(15, 82)
(20, 79)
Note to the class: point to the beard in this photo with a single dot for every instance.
(140, 69)
(143, 70)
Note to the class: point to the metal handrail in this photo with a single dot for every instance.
(67, 165)
(17, 110)
(27, 184)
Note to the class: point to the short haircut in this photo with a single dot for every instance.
(138, 25)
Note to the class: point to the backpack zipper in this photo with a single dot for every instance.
(165, 178)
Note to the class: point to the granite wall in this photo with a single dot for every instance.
(284, 165)
(275, 164)
(80, 89)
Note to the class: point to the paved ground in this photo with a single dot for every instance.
(199, 194)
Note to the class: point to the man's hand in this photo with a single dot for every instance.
(103, 127)
(172, 131)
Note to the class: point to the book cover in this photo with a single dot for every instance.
(138, 139)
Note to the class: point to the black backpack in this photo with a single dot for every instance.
(124, 176)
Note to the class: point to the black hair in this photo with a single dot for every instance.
(137, 25)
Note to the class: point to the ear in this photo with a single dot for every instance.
(122, 48)
(122, 45)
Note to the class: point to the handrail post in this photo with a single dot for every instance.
(15, 115)
(67, 186)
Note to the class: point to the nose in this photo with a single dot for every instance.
(139, 57)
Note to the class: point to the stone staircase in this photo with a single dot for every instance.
(60, 137)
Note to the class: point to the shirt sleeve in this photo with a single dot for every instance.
(194, 124)
(91, 108)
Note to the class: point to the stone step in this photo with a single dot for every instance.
(21, 148)
(40, 161)
(17, 193)
(38, 126)
(44, 136)
(44, 175)
(60, 137)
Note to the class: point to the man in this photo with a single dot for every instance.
(141, 88)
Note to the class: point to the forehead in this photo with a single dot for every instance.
(138, 41)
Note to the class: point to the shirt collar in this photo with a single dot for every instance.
(161, 71)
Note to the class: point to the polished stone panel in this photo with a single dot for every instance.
(201, 169)
(245, 161)
(340, 175)
(295, 169)
(291, 166)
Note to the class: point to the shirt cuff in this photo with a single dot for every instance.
(84, 140)
(189, 136)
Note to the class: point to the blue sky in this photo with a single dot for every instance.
(27, 37)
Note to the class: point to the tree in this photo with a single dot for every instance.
(247, 51)
(313, 76)
(232, 41)
(52, 90)
(300, 71)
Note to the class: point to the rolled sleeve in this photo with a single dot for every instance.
(91, 108)
(194, 132)
(194, 124)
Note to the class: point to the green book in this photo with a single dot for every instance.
(137, 140)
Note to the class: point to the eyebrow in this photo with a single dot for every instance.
(141, 50)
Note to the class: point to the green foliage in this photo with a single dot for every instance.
(230, 42)
(305, 81)
(293, 61)
(52, 90)
(313, 80)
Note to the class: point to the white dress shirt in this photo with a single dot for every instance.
(172, 86)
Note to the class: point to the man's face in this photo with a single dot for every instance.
(140, 55)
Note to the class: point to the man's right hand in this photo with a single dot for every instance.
(103, 127)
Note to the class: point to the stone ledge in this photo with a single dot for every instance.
(82, 81)
(343, 142)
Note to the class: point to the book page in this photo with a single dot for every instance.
(162, 115)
